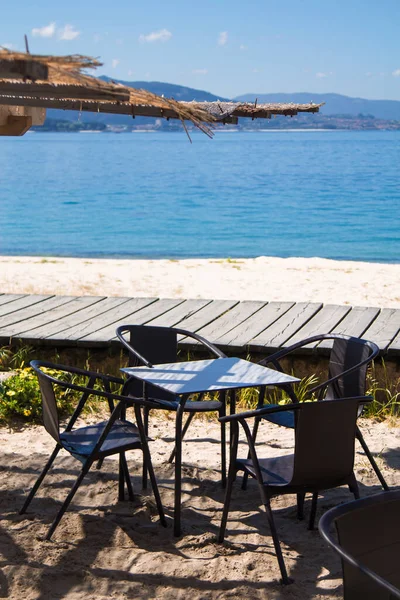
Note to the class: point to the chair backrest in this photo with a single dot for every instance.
(347, 353)
(49, 403)
(155, 344)
(324, 442)
(368, 540)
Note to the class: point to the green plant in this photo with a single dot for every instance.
(248, 398)
(20, 397)
(385, 392)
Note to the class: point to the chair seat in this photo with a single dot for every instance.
(123, 435)
(276, 471)
(190, 406)
(284, 419)
(202, 405)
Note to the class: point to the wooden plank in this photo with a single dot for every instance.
(239, 337)
(393, 350)
(6, 298)
(215, 330)
(204, 316)
(103, 329)
(323, 321)
(125, 108)
(142, 316)
(21, 303)
(275, 336)
(354, 323)
(15, 322)
(71, 328)
(82, 304)
(178, 316)
(37, 326)
(165, 319)
(62, 91)
(385, 328)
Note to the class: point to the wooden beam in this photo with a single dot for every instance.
(52, 90)
(16, 125)
(20, 69)
(87, 106)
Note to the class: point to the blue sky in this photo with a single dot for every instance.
(226, 47)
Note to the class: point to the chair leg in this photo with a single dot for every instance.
(285, 579)
(254, 435)
(371, 459)
(146, 432)
(178, 471)
(353, 487)
(227, 501)
(153, 480)
(313, 511)
(126, 475)
(121, 479)
(68, 499)
(223, 450)
(40, 479)
(184, 430)
(300, 506)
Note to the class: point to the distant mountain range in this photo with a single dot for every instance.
(335, 104)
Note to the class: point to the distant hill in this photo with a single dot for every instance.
(336, 104)
(169, 90)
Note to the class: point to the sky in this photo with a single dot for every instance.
(225, 47)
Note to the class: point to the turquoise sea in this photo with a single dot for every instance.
(332, 194)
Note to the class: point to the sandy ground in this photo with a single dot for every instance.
(107, 549)
(263, 278)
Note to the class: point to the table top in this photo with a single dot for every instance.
(209, 375)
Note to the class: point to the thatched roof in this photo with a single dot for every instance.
(60, 82)
(230, 111)
(67, 87)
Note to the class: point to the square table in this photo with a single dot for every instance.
(199, 376)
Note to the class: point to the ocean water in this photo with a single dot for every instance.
(331, 194)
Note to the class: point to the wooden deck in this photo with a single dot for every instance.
(247, 326)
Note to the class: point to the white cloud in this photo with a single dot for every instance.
(369, 74)
(255, 71)
(68, 33)
(323, 75)
(396, 73)
(200, 71)
(115, 63)
(222, 38)
(163, 35)
(7, 45)
(242, 47)
(47, 31)
(130, 73)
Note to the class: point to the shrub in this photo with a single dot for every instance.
(20, 397)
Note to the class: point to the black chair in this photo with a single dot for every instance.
(149, 346)
(347, 370)
(368, 543)
(323, 457)
(94, 442)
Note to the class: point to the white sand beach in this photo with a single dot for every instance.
(262, 278)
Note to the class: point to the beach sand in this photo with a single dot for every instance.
(263, 278)
(107, 549)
